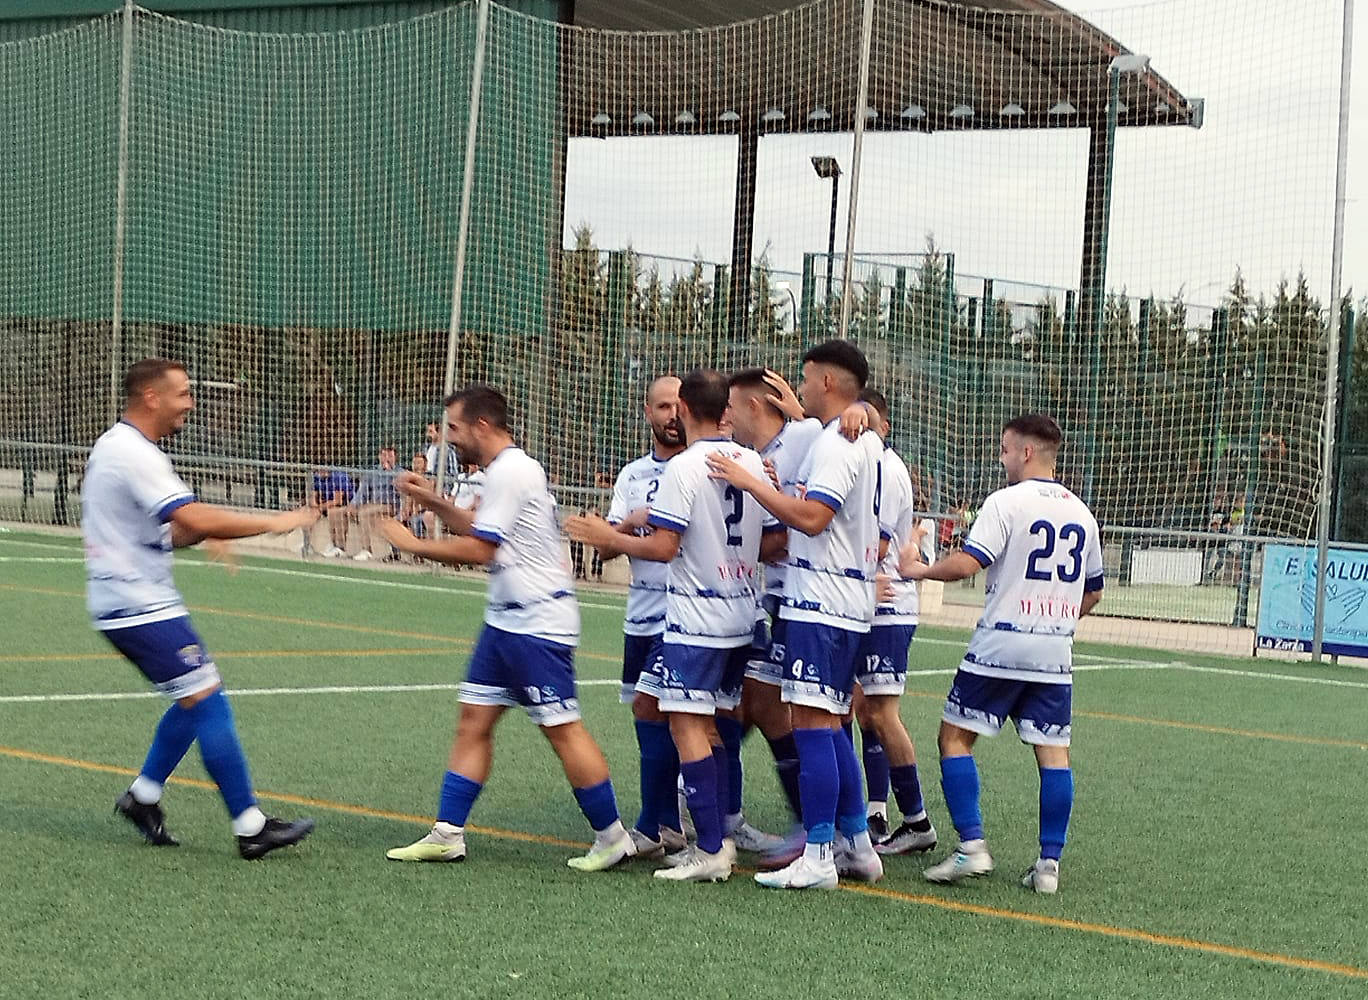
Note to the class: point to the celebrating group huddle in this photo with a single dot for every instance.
(774, 545)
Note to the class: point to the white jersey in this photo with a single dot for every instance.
(787, 452)
(830, 578)
(530, 588)
(1043, 551)
(897, 523)
(635, 488)
(127, 498)
(467, 489)
(712, 582)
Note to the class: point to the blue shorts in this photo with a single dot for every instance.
(819, 665)
(511, 669)
(883, 659)
(697, 680)
(765, 660)
(637, 651)
(170, 654)
(1042, 712)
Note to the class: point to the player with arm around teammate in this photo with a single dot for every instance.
(657, 829)
(525, 652)
(1043, 552)
(709, 533)
(134, 511)
(827, 606)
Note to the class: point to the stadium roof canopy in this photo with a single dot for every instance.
(933, 65)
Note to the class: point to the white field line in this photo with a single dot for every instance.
(24, 699)
(1327, 681)
(370, 581)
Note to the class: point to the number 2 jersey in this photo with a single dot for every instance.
(635, 488)
(712, 582)
(1043, 551)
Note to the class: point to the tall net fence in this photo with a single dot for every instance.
(1041, 221)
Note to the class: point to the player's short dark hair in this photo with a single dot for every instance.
(144, 373)
(752, 378)
(1040, 426)
(841, 354)
(481, 402)
(877, 400)
(705, 392)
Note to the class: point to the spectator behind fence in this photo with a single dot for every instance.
(375, 495)
(331, 492)
(409, 512)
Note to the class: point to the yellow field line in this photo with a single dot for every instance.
(920, 899)
(229, 654)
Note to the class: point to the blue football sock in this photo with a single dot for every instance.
(222, 753)
(960, 783)
(851, 815)
(875, 765)
(732, 733)
(659, 768)
(819, 780)
(458, 795)
(723, 771)
(907, 787)
(700, 787)
(786, 765)
(175, 732)
(598, 804)
(1056, 802)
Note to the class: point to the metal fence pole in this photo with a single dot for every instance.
(1332, 349)
(861, 102)
(463, 228)
(120, 214)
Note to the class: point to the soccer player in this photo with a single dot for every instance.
(1043, 552)
(134, 511)
(710, 535)
(657, 830)
(525, 653)
(827, 606)
(889, 754)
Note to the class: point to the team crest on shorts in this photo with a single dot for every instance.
(192, 656)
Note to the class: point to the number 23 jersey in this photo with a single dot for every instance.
(1043, 552)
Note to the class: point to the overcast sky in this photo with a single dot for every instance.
(1254, 188)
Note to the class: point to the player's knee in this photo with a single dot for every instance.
(646, 709)
(954, 741)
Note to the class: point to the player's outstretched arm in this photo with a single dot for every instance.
(661, 545)
(463, 550)
(419, 489)
(626, 528)
(194, 522)
(808, 516)
(956, 566)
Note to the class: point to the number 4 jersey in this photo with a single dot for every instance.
(1043, 551)
(712, 584)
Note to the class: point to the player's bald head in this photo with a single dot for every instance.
(662, 387)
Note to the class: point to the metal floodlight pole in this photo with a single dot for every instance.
(1332, 349)
(831, 229)
(120, 212)
(463, 227)
(857, 149)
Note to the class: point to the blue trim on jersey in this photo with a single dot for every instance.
(487, 535)
(770, 528)
(520, 606)
(823, 497)
(1092, 584)
(667, 522)
(984, 559)
(164, 514)
(886, 536)
(118, 613)
(709, 592)
(849, 573)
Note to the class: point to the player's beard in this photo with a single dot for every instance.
(670, 435)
